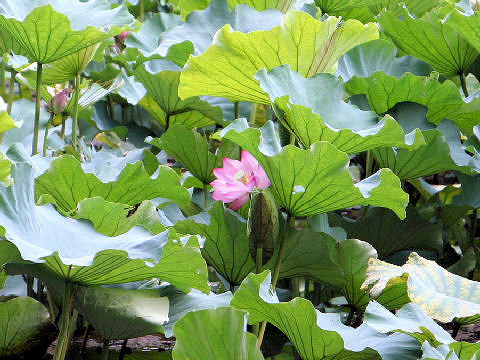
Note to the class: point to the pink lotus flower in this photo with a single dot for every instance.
(237, 179)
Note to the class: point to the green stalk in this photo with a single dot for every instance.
(463, 82)
(45, 137)
(67, 323)
(306, 292)
(123, 350)
(106, 349)
(236, 107)
(111, 107)
(253, 114)
(75, 110)
(30, 292)
(11, 91)
(140, 10)
(473, 229)
(276, 274)
(2, 76)
(167, 122)
(38, 99)
(369, 164)
(124, 114)
(205, 193)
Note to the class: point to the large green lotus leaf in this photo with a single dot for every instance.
(228, 66)
(161, 79)
(443, 100)
(470, 195)
(73, 250)
(387, 234)
(441, 44)
(189, 148)
(318, 256)
(24, 324)
(219, 334)
(200, 27)
(443, 151)
(410, 319)
(8, 252)
(54, 29)
(69, 66)
(120, 313)
(378, 55)
(308, 336)
(324, 116)
(442, 295)
(181, 304)
(66, 184)
(464, 21)
(317, 180)
(226, 247)
(114, 219)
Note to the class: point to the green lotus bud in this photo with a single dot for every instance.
(262, 226)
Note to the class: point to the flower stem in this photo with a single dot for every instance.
(2, 76)
(276, 273)
(45, 137)
(38, 99)
(253, 114)
(236, 107)
(368, 164)
(205, 193)
(140, 10)
(75, 110)
(463, 82)
(67, 322)
(11, 91)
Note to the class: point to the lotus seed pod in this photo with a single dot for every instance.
(262, 226)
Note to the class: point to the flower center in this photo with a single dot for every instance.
(242, 177)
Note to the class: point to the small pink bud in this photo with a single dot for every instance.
(122, 37)
(120, 41)
(58, 103)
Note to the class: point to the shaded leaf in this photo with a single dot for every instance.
(220, 334)
(387, 234)
(120, 313)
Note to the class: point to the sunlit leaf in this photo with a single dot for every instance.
(228, 66)
(442, 295)
(314, 181)
(54, 29)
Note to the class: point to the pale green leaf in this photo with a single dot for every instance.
(317, 180)
(54, 29)
(228, 66)
(442, 295)
(220, 334)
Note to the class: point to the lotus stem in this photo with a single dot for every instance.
(140, 10)
(30, 292)
(205, 193)
(11, 91)
(45, 137)
(85, 339)
(124, 114)
(456, 327)
(67, 322)
(236, 108)
(276, 273)
(368, 164)
(167, 122)
(38, 99)
(463, 82)
(111, 107)
(123, 350)
(2, 75)
(75, 110)
(106, 349)
(253, 114)
(473, 228)
(306, 291)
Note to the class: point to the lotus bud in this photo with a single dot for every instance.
(262, 226)
(58, 103)
(120, 41)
